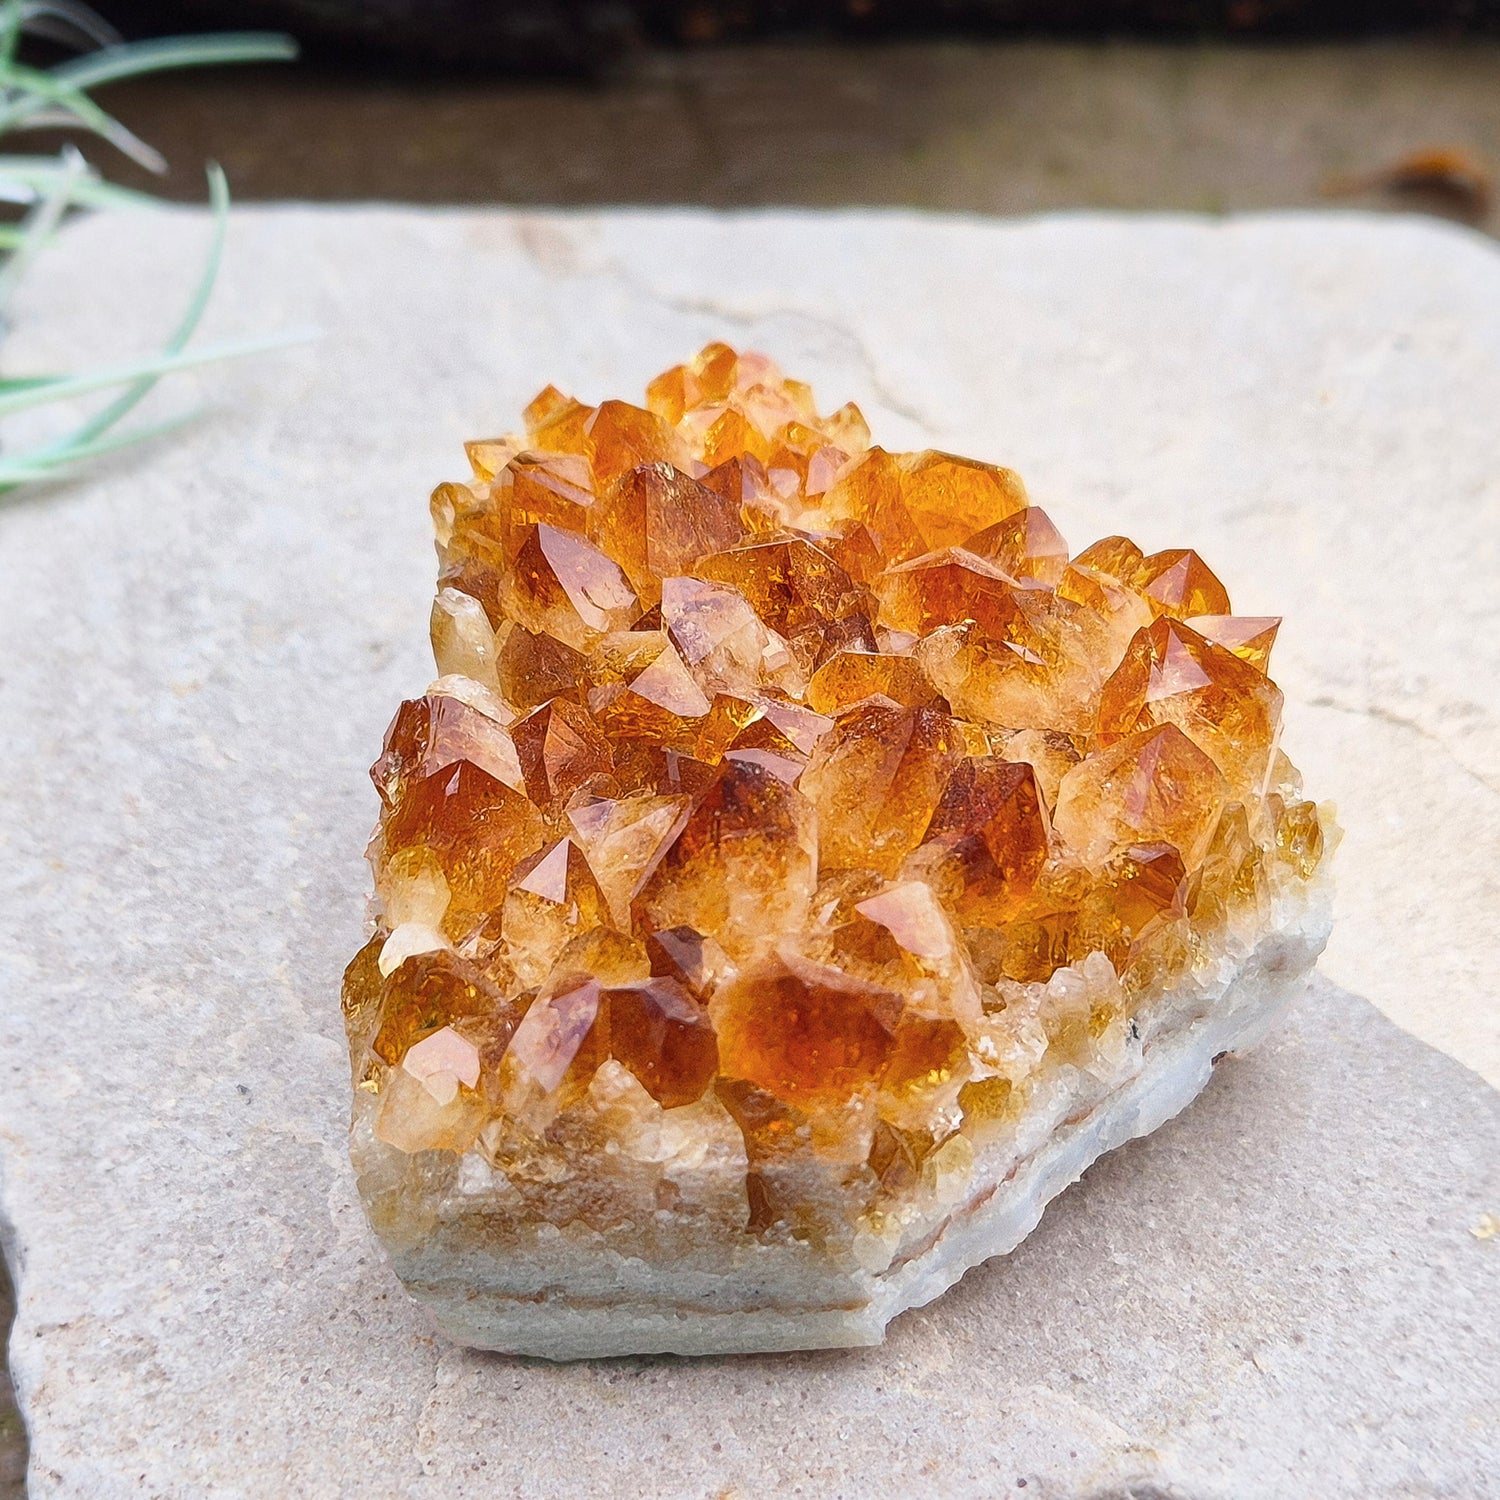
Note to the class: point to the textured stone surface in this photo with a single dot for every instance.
(1278, 1293)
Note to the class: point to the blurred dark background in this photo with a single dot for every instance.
(588, 35)
(995, 106)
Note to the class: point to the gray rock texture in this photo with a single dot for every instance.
(1286, 1291)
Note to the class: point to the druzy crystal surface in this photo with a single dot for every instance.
(796, 834)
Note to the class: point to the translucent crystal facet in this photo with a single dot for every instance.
(783, 810)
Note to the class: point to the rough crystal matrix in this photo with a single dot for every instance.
(802, 867)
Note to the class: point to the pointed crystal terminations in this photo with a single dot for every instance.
(799, 852)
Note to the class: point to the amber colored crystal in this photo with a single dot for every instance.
(1172, 675)
(791, 585)
(868, 494)
(1102, 578)
(1145, 883)
(1299, 837)
(771, 773)
(988, 838)
(477, 828)
(875, 779)
(1179, 583)
(1250, 637)
(433, 990)
(941, 588)
(552, 487)
(661, 703)
(1114, 556)
(624, 839)
(621, 437)
(463, 640)
(849, 677)
(926, 1054)
(432, 733)
(743, 866)
(1042, 671)
(554, 897)
(488, 457)
(950, 498)
(1154, 786)
(1023, 545)
(659, 521)
(561, 585)
(558, 1035)
(691, 957)
(663, 1035)
(534, 669)
(1230, 874)
(805, 1033)
(561, 751)
(547, 406)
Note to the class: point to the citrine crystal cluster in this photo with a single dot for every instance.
(802, 866)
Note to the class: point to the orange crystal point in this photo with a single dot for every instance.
(867, 493)
(660, 703)
(561, 751)
(1250, 637)
(554, 487)
(1179, 583)
(950, 498)
(663, 1035)
(1146, 883)
(476, 827)
(1024, 545)
(692, 958)
(988, 840)
(619, 437)
(1172, 675)
(560, 585)
(663, 522)
(432, 733)
(743, 865)
(1155, 785)
(849, 677)
(875, 779)
(943, 588)
(788, 817)
(624, 840)
(792, 585)
(554, 897)
(432, 990)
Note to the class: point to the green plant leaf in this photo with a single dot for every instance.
(150, 367)
(34, 91)
(41, 222)
(218, 195)
(31, 98)
(26, 468)
(130, 59)
(35, 175)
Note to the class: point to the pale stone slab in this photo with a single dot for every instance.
(1279, 1293)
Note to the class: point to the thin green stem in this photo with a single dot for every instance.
(129, 59)
(218, 192)
(44, 463)
(41, 223)
(27, 178)
(12, 15)
(64, 386)
(31, 98)
(33, 91)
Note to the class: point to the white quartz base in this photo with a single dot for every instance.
(1003, 1206)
